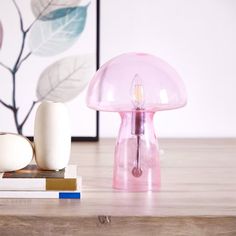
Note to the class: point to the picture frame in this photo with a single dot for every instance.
(26, 69)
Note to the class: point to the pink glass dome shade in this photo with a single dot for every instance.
(136, 85)
(112, 87)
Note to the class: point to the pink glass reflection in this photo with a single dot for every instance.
(136, 85)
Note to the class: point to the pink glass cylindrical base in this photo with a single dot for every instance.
(136, 165)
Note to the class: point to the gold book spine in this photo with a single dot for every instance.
(61, 184)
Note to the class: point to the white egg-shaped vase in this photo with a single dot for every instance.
(16, 152)
(52, 136)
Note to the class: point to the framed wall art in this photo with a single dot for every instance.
(48, 51)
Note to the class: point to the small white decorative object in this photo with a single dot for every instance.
(52, 137)
(16, 152)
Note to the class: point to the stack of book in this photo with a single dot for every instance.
(31, 182)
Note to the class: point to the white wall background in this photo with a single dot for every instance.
(198, 38)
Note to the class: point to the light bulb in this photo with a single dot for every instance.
(137, 92)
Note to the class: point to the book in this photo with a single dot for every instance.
(41, 194)
(31, 178)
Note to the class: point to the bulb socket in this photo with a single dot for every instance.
(138, 119)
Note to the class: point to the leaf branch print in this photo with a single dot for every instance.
(50, 37)
(65, 79)
(6, 105)
(6, 67)
(60, 22)
(43, 7)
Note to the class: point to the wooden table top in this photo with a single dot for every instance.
(197, 196)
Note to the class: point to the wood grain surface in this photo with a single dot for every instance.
(197, 196)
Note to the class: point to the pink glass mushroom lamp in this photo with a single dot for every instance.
(136, 85)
